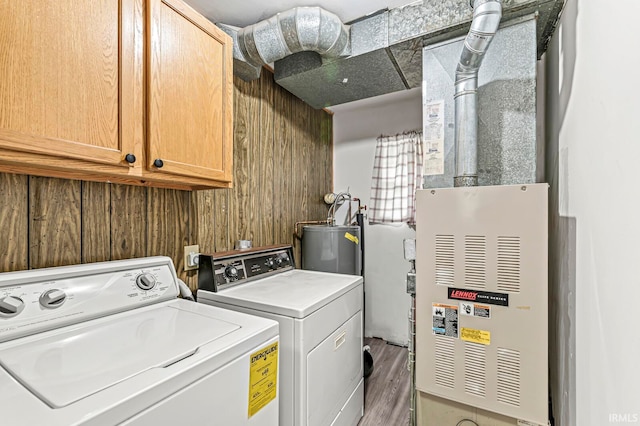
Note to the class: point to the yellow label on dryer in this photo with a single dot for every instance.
(351, 237)
(263, 377)
(476, 336)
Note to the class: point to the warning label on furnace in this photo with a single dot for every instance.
(476, 336)
(433, 138)
(475, 310)
(263, 376)
(445, 320)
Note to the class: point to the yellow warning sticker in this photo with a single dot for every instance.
(351, 237)
(476, 336)
(263, 377)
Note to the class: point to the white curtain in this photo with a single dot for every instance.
(397, 173)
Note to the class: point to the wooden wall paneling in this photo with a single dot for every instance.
(322, 176)
(296, 178)
(278, 128)
(204, 220)
(192, 235)
(327, 153)
(330, 151)
(96, 230)
(14, 222)
(264, 207)
(299, 172)
(327, 139)
(128, 221)
(282, 170)
(301, 158)
(239, 215)
(168, 212)
(310, 146)
(254, 225)
(312, 142)
(54, 222)
(221, 215)
(317, 154)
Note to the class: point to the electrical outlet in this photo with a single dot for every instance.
(191, 254)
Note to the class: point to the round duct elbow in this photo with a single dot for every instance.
(296, 30)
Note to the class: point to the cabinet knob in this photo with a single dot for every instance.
(158, 163)
(130, 158)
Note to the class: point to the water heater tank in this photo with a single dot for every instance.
(331, 249)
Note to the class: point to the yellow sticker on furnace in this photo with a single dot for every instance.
(263, 377)
(351, 237)
(476, 336)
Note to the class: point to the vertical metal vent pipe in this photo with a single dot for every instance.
(295, 30)
(486, 18)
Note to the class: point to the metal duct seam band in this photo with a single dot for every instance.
(486, 19)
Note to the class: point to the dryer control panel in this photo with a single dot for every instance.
(224, 270)
(43, 299)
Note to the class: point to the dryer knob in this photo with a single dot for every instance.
(53, 298)
(271, 263)
(231, 272)
(11, 306)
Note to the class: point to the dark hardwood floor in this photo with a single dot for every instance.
(386, 390)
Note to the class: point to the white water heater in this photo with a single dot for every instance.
(481, 298)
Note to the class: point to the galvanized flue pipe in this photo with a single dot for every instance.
(486, 19)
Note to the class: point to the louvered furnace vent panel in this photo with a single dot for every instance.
(482, 298)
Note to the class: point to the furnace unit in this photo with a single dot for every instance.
(481, 298)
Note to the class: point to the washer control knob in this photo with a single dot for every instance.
(231, 272)
(279, 262)
(145, 281)
(53, 298)
(270, 263)
(10, 306)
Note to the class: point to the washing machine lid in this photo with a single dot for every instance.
(296, 293)
(63, 366)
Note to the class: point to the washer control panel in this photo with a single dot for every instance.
(37, 300)
(218, 273)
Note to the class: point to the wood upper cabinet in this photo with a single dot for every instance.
(64, 79)
(190, 93)
(84, 84)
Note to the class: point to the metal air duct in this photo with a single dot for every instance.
(486, 18)
(373, 55)
(310, 29)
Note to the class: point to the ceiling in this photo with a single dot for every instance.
(241, 13)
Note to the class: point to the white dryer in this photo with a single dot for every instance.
(320, 317)
(109, 343)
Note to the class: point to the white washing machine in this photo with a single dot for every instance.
(320, 317)
(109, 344)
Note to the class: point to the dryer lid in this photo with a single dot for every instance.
(296, 293)
(66, 365)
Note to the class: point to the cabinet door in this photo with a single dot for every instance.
(190, 117)
(62, 73)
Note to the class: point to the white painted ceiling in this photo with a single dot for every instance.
(246, 12)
